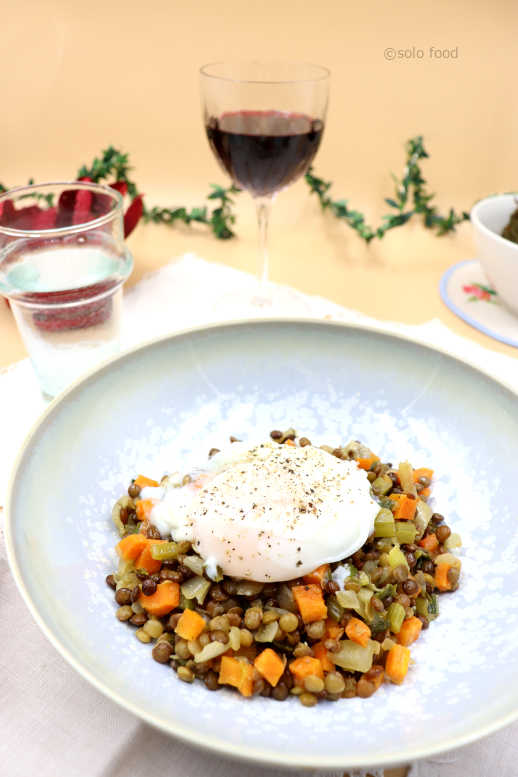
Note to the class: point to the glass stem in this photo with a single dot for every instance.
(263, 206)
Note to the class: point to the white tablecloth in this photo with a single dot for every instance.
(52, 722)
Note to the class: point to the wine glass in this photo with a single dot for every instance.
(264, 122)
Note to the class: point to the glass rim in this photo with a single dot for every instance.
(21, 302)
(325, 73)
(72, 228)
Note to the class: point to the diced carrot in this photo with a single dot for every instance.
(190, 625)
(310, 601)
(320, 651)
(304, 666)
(441, 576)
(165, 599)
(144, 507)
(429, 543)
(396, 665)
(423, 472)
(270, 665)
(236, 673)
(131, 547)
(425, 493)
(320, 575)
(143, 481)
(334, 630)
(367, 462)
(409, 631)
(146, 561)
(358, 632)
(405, 507)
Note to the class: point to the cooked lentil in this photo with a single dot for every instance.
(240, 614)
(162, 652)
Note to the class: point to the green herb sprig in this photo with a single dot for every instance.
(410, 198)
(115, 164)
(220, 219)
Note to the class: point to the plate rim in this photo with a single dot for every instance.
(210, 744)
(443, 291)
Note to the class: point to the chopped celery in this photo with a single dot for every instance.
(421, 606)
(195, 588)
(388, 590)
(427, 606)
(384, 524)
(164, 551)
(405, 532)
(186, 604)
(354, 657)
(378, 623)
(396, 615)
(433, 607)
(397, 557)
(382, 485)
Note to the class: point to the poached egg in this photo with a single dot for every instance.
(271, 512)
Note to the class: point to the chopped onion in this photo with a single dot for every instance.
(406, 478)
(453, 541)
(422, 517)
(194, 563)
(448, 558)
(234, 638)
(195, 588)
(354, 657)
(212, 650)
(267, 632)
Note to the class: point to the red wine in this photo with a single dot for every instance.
(264, 151)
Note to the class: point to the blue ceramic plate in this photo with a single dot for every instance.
(163, 406)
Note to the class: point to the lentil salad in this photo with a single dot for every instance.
(338, 632)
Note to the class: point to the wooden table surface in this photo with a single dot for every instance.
(125, 73)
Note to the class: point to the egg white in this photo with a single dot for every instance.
(272, 512)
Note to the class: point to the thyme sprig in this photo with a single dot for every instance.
(411, 198)
(220, 219)
(115, 164)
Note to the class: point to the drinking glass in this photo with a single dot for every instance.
(264, 122)
(62, 265)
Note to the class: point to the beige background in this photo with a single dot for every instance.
(77, 76)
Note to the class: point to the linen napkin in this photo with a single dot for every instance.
(53, 722)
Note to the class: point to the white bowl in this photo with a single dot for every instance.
(498, 256)
(164, 405)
